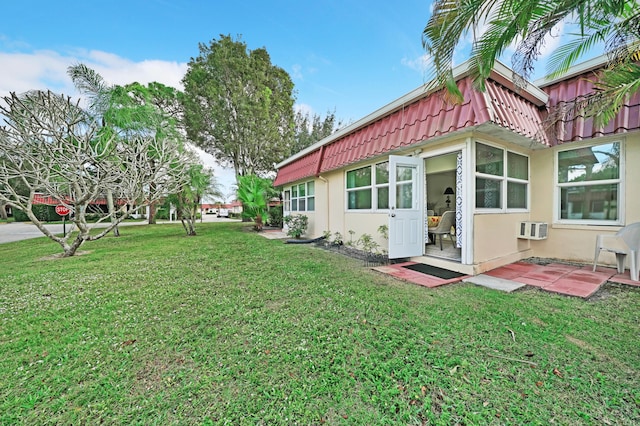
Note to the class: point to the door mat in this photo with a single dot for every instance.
(445, 274)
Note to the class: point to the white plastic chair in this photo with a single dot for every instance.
(625, 242)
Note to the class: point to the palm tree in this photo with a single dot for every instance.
(130, 110)
(615, 23)
(254, 192)
(200, 183)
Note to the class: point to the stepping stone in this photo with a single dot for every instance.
(494, 283)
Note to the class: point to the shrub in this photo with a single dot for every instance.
(351, 234)
(162, 213)
(276, 216)
(383, 230)
(43, 212)
(297, 225)
(337, 239)
(368, 244)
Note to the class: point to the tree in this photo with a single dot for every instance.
(50, 145)
(238, 106)
(526, 23)
(255, 192)
(311, 129)
(130, 110)
(198, 184)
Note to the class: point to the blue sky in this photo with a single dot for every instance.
(350, 56)
(353, 56)
(347, 55)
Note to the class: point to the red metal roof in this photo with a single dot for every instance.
(516, 114)
(299, 169)
(420, 120)
(52, 201)
(424, 117)
(571, 128)
(48, 200)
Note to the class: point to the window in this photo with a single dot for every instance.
(368, 187)
(517, 181)
(382, 185)
(302, 197)
(588, 182)
(502, 179)
(287, 200)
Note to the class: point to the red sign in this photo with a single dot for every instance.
(62, 210)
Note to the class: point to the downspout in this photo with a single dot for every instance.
(326, 182)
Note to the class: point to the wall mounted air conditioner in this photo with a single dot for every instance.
(533, 230)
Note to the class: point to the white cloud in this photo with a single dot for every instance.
(417, 64)
(303, 108)
(42, 70)
(118, 70)
(48, 70)
(225, 177)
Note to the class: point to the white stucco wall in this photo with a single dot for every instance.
(494, 239)
(577, 242)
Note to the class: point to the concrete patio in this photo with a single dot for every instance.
(569, 280)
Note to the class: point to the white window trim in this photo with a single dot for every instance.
(504, 179)
(297, 198)
(620, 181)
(373, 187)
(286, 200)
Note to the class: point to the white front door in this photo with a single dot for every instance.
(406, 226)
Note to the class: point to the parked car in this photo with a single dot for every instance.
(223, 213)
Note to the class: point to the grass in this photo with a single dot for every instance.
(230, 328)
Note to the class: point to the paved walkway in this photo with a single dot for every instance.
(570, 280)
(273, 234)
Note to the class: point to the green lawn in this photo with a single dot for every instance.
(230, 328)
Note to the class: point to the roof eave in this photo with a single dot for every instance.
(501, 73)
(581, 68)
(531, 92)
(410, 97)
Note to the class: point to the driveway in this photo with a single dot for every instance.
(17, 231)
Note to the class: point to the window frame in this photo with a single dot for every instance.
(297, 200)
(373, 188)
(503, 181)
(620, 182)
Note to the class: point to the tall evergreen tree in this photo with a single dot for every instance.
(238, 106)
(311, 129)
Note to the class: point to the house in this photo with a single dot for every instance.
(519, 187)
(208, 208)
(234, 207)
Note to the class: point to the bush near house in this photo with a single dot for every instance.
(276, 216)
(296, 225)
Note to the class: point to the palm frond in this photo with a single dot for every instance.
(615, 86)
(92, 85)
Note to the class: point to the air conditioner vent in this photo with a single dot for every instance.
(533, 230)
